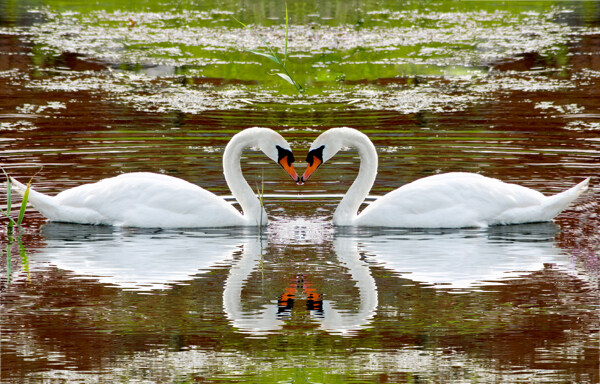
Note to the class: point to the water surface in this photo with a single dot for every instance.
(508, 90)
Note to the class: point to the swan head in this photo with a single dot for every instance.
(277, 149)
(325, 147)
(285, 158)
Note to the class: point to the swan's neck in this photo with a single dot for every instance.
(347, 210)
(252, 210)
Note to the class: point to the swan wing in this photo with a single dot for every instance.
(452, 200)
(145, 200)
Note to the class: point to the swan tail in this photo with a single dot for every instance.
(555, 204)
(45, 204)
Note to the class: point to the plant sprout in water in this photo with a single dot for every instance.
(12, 225)
(11, 221)
(272, 55)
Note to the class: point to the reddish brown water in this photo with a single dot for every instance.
(303, 301)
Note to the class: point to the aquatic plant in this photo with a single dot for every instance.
(12, 222)
(14, 239)
(12, 225)
(273, 56)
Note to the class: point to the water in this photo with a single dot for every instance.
(509, 90)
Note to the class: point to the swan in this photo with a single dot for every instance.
(144, 199)
(449, 200)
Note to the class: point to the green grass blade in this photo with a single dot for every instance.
(267, 55)
(24, 258)
(11, 221)
(9, 256)
(261, 39)
(287, 78)
(24, 204)
(243, 25)
(266, 44)
(8, 195)
(272, 55)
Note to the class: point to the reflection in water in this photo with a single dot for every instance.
(464, 258)
(273, 315)
(12, 253)
(145, 260)
(192, 326)
(139, 260)
(359, 271)
(266, 319)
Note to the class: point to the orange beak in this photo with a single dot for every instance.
(289, 168)
(311, 168)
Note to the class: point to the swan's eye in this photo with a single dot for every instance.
(317, 152)
(282, 153)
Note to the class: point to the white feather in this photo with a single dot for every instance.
(154, 200)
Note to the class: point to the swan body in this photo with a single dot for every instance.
(144, 199)
(450, 200)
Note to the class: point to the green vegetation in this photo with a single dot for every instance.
(14, 224)
(331, 47)
(272, 55)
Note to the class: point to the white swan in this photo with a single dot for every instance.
(144, 199)
(450, 200)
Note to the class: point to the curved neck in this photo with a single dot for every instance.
(239, 274)
(348, 255)
(252, 210)
(347, 210)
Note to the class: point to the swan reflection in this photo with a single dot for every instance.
(464, 258)
(144, 260)
(440, 258)
(139, 259)
(274, 314)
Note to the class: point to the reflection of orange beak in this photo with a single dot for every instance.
(311, 168)
(289, 168)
